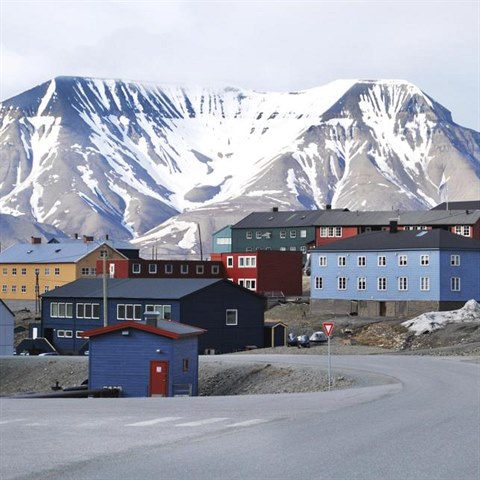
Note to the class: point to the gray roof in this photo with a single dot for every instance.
(403, 240)
(133, 288)
(68, 252)
(465, 205)
(280, 219)
(345, 218)
(383, 218)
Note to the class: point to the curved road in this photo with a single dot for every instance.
(423, 423)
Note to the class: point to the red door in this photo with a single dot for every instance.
(158, 379)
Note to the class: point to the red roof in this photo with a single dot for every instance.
(177, 330)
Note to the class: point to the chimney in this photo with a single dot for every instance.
(36, 240)
(393, 226)
(328, 206)
(275, 209)
(87, 238)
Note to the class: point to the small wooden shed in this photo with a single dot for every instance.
(144, 360)
(275, 334)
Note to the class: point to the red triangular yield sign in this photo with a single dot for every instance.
(328, 327)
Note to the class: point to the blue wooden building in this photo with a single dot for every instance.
(145, 360)
(232, 315)
(396, 273)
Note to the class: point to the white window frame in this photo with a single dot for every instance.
(215, 269)
(168, 269)
(463, 230)
(455, 260)
(318, 283)
(303, 233)
(229, 262)
(382, 261)
(361, 283)
(382, 284)
(152, 268)
(341, 283)
(424, 260)
(424, 284)
(342, 261)
(184, 269)
(249, 235)
(361, 261)
(402, 260)
(322, 261)
(229, 321)
(283, 234)
(455, 284)
(136, 268)
(293, 234)
(199, 269)
(402, 284)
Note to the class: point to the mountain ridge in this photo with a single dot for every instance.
(122, 158)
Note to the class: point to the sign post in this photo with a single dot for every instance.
(328, 328)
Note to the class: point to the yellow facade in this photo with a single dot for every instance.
(18, 281)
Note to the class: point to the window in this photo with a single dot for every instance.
(4, 271)
(246, 262)
(88, 310)
(402, 260)
(46, 289)
(342, 283)
(293, 234)
(303, 249)
(14, 271)
(24, 271)
(342, 261)
(424, 260)
(361, 283)
(303, 233)
(223, 241)
(68, 334)
(249, 235)
(165, 311)
(129, 312)
(4, 288)
(424, 284)
(232, 316)
(382, 261)
(183, 269)
(249, 283)
(47, 270)
(318, 283)
(168, 268)
(362, 261)
(283, 234)
(152, 268)
(381, 283)
(455, 284)
(56, 271)
(463, 230)
(258, 235)
(403, 283)
(136, 268)
(215, 269)
(293, 249)
(185, 364)
(14, 289)
(23, 289)
(78, 333)
(330, 231)
(455, 260)
(200, 269)
(37, 271)
(61, 310)
(322, 261)
(229, 261)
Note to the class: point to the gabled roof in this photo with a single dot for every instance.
(138, 288)
(169, 329)
(6, 307)
(331, 218)
(465, 205)
(68, 252)
(403, 240)
(304, 218)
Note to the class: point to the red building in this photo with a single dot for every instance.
(264, 271)
(141, 268)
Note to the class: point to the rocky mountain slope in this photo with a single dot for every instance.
(156, 163)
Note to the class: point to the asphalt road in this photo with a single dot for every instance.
(424, 423)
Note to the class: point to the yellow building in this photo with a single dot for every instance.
(29, 270)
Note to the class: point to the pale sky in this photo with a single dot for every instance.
(259, 45)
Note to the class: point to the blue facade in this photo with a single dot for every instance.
(410, 275)
(205, 308)
(222, 240)
(124, 360)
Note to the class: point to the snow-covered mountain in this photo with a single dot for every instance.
(154, 163)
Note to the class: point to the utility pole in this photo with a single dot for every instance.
(200, 241)
(104, 253)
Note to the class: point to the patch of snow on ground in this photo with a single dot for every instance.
(428, 322)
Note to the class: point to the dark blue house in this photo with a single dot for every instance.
(232, 315)
(145, 360)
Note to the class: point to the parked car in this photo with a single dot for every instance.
(303, 341)
(292, 340)
(318, 337)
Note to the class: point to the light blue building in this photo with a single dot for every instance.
(398, 273)
(222, 240)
